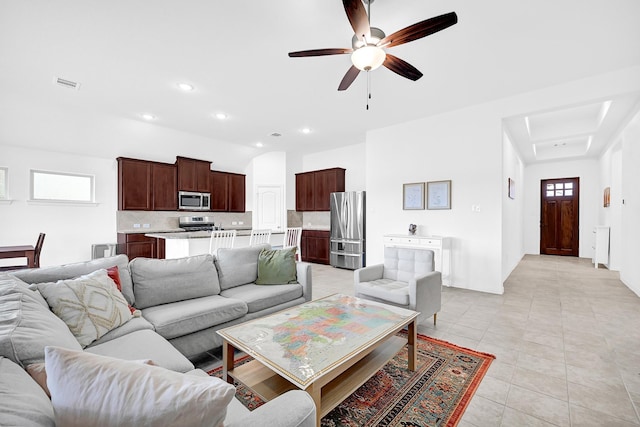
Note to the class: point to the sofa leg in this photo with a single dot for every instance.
(435, 315)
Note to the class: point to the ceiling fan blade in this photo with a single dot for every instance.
(419, 30)
(319, 52)
(348, 78)
(401, 67)
(358, 18)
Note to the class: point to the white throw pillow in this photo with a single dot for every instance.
(92, 390)
(90, 305)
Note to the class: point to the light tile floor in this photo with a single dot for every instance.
(566, 339)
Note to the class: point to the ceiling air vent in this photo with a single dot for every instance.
(66, 83)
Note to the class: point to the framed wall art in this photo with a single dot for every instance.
(413, 196)
(439, 195)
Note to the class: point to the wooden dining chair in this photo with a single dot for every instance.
(36, 257)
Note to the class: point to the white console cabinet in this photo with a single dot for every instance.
(601, 245)
(441, 247)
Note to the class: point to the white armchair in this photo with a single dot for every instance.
(406, 279)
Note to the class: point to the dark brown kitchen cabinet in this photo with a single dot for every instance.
(237, 192)
(228, 192)
(193, 174)
(136, 245)
(315, 246)
(219, 191)
(304, 191)
(313, 188)
(163, 181)
(134, 184)
(145, 185)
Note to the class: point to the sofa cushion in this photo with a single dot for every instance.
(88, 389)
(238, 266)
(404, 264)
(386, 289)
(26, 327)
(162, 281)
(145, 344)
(259, 297)
(135, 324)
(24, 403)
(90, 305)
(184, 317)
(12, 285)
(277, 266)
(69, 271)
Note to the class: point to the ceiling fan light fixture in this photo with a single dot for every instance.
(368, 58)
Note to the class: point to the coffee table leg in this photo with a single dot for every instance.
(227, 361)
(316, 395)
(411, 345)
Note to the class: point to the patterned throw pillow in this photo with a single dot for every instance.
(90, 305)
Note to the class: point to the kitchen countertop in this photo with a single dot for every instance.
(177, 234)
(317, 227)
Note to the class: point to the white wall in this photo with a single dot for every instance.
(434, 149)
(70, 228)
(629, 265)
(590, 196)
(512, 209)
(350, 157)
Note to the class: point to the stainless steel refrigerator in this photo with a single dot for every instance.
(348, 229)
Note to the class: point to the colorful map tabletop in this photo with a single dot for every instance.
(307, 340)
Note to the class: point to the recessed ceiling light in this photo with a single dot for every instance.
(148, 116)
(185, 87)
(259, 144)
(305, 130)
(221, 116)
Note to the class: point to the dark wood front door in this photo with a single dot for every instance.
(559, 215)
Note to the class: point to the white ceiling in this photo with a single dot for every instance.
(129, 56)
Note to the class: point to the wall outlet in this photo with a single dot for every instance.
(136, 225)
(241, 222)
(146, 225)
(234, 222)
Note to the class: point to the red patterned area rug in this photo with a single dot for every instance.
(436, 394)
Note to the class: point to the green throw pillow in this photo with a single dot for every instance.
(277, 266)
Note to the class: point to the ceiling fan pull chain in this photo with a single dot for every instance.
(368, 88)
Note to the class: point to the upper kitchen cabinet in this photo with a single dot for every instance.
(164, 184)
(237, 193)
(313, 188)
(193, 175)
(228, 192)
(144, 185)
(219, 191)
(134, 184)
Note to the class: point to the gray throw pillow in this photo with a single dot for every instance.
(277, 266)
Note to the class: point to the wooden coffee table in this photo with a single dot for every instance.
(327, 347)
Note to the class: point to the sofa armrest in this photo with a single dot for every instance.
(367, 274)
(293, 409)
(303, 272)
(425, 293)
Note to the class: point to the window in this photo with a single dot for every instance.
(58, 186)
(3, 183)
(560, 189)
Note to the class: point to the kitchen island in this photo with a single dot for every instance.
(187, 243)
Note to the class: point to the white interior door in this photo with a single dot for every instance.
(269, 209)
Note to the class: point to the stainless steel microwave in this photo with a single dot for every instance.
(191, 201)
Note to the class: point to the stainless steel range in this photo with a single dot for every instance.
(196, 223)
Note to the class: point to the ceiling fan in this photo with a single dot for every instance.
(369, 43)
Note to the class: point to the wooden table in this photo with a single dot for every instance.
(331, 376)
(26, 251)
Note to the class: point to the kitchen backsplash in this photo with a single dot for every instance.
(318, 220)
(168, 220)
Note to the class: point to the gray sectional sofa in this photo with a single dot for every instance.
(182, 303)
